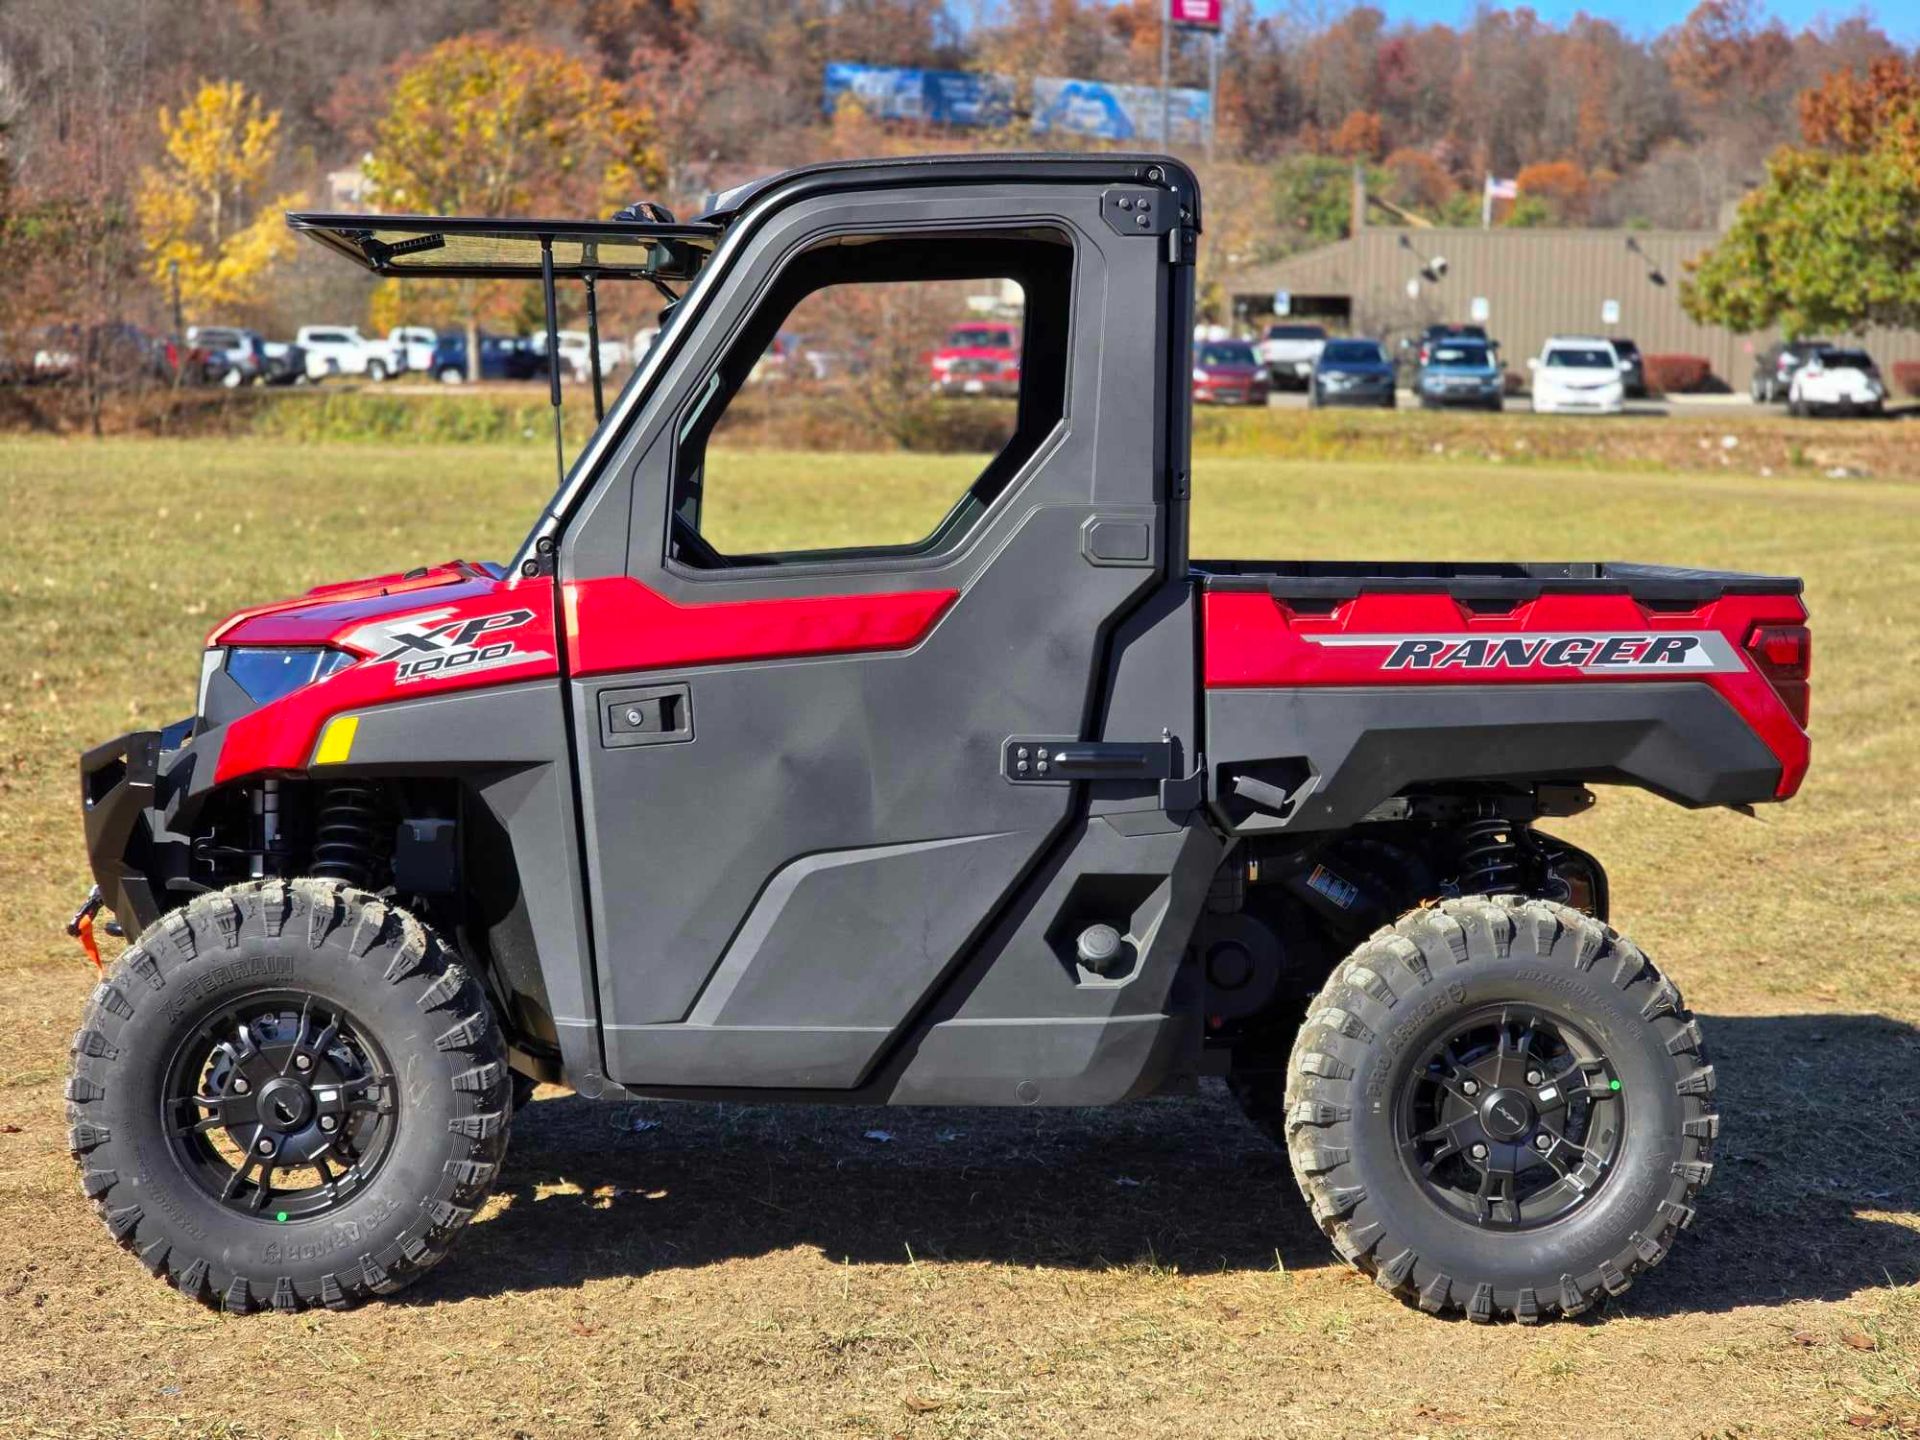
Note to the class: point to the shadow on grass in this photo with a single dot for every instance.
(1819, 1147)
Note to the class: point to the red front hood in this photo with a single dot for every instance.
(328, 614)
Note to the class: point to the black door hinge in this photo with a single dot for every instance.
(1140, 211)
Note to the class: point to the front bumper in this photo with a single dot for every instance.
(1579, 402)
(131, 787)
(1371, 393)
(1475, 393)
(1230, 394)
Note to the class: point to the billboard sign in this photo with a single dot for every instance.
(1116, 112)
(1195, 14)
(932, 97)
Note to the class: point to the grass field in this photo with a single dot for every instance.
(1145, 1271)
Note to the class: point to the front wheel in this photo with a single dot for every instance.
(1498, 1105)
(376, 372)
(288, 1094)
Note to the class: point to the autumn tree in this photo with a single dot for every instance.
(205, 208)
(486, 125)
(1831, 240)
(1313, 198)
(1562, 188)
(1358, 137)
(1416, 178)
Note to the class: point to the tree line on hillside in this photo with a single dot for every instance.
(145, 149)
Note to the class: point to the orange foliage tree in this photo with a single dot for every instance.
(1561, 185)
(1359, 137)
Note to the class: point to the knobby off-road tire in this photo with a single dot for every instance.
(1365, 1050)
(393, 990)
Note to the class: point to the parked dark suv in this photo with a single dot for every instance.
(502, 357)
(1633, 368)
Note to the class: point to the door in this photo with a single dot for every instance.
(800, 677)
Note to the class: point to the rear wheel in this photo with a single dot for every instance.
(1497, 1106)
(376, 372)
(452, 375)
(288, 1094)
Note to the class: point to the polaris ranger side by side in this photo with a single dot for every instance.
(1035, 809)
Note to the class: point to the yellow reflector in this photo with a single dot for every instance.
(337, 744)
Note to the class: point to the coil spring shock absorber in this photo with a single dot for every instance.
(1490, 855)
(346, 834)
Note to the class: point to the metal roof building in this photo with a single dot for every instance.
(1524, 285)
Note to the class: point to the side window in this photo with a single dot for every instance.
(896, 385)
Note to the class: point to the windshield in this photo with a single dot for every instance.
(980, 337)
(1461, 355)
(1847, 360)
(1295, 332)
(1581, 359)
(1359, 352)
(1227, 353)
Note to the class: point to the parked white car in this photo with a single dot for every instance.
(1846, 381)
(575, 354)
(1290, 350)
(1577, 375)
(343, 350)
(413, 344)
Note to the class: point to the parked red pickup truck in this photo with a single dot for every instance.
(978, 358)
(1035, 810)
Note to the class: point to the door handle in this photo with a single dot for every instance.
(1039, 759)
(645, 715)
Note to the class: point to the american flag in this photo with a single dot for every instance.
(1498, 189)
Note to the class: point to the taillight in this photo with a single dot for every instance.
(1784, 654)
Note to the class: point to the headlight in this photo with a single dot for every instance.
(1261, 374)
(267, 675)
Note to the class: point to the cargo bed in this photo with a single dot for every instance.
(1490, 580)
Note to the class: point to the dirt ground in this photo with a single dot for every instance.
(679, 1270)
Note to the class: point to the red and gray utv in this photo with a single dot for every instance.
(1030, 808)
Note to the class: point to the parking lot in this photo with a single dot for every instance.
(1735, 408)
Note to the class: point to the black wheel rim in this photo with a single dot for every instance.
(1511, 1118)
(280, 1106)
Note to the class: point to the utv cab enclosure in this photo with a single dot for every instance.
(1031, 808)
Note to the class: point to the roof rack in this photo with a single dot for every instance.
(642, 242)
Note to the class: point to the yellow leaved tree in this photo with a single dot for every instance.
(485, 125)
(205, 207)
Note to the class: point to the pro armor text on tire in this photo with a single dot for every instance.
(287, 1094)
(1497, 1105)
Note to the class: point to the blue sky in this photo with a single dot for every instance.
(1899, 18)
